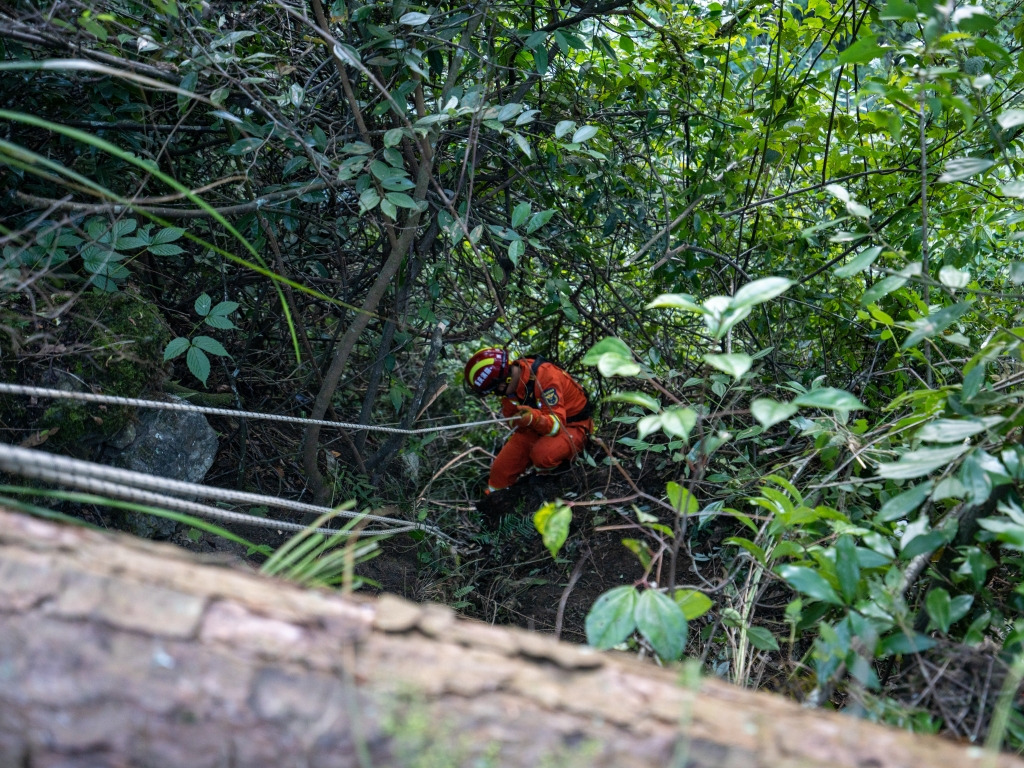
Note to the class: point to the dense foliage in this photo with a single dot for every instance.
(778, 241)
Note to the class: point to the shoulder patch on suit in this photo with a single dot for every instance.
(550, 396)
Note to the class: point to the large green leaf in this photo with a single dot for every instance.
(859, 263)
(864, 51)
(769, 412)
(552, 523)
(636, 398)
(956, 430)
(762, 639)
(759, 291)
(681, 499)
(662, 622)
(678, 422)
(606, 345)
(735, 364)
(693, 603)
(829, 398)
(904, 503)
(961, 168)
(921, 462)
(938, 604)
(809, 582)
(611, 620)
(198, 363)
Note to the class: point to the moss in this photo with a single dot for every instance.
(125, 336)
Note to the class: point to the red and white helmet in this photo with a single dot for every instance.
(485, 370)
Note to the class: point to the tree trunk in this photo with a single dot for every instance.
(121, 652)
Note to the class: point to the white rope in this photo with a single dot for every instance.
(141, 488)
(89, 397)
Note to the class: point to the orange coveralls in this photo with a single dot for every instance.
(550, 438)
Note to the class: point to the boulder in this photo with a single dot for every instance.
(174, 444)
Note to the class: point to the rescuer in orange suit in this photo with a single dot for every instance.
(553, 414)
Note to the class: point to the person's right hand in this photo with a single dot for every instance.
(525, 417)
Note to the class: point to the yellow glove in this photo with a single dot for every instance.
(525, 418)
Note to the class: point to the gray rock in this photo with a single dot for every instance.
(173, 444)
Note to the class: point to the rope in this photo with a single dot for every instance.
(142, 488)
(89, 397)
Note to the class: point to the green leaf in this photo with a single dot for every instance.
(131, 243)
(168, 235)
(905, 503)
(401, 200)
(682, 501)
(935, 323)
(899, 10)
(662, 622)
(677, 301)
(523, 144)
(584, 133)
(520, 213)
(956, 430)
(175, 347)
(165, 250)
(847, 567)
(958, 607)
(368, 200)
(829, 398)
(938, 604)
(202, 305)
(678, 422)
(393, 137)
(552, 523)
(563, 127)
(865, 50)
(611, 620)
(735, 364)
(293, 165)
(760, 291)
(391, 211)
(923, 544)
(210, 345)
(612, 364)
(762, 639)
(1011, 118)
(538, 220)
(921, 462)
(606, 345)
(198, 363)
(218, 321)
(243, 146)
(224, 308)
(749, 546)
(961, 168)
(516, 249)
(954, 278)
(636, 398)
(508, 111)
(809, 582)
(859, 263)
(414, 19)
(902, 642)
(647, 425)
(381, 170)
(882, 288)
(693, 603)
(769, 412)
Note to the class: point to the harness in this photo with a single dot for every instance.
(533, 396)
